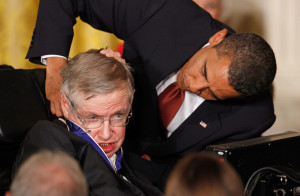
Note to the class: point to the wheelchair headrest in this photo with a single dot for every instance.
(22, 102)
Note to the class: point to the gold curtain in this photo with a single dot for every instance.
(17, 21)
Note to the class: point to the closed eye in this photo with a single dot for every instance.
(205, 75)
(204, 70)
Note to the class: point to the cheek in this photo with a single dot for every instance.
(119, 133)
(93, 133)
(194, 72)
(119, 136)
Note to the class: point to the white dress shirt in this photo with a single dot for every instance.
(190, 103)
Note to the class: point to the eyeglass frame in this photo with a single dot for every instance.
(83, 121)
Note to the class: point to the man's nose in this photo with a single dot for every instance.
(198, 86)
(105, 131)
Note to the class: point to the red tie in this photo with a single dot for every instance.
(169, 102)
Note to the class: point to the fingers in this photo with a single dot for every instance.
(53, 83)
(146, 157)
(55, 106)
(111, 53)
(53, 96)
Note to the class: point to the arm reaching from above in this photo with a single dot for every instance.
(53, 83)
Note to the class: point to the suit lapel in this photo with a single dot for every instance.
(203, 123)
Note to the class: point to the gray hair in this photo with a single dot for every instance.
(49, 173)
(92, 73)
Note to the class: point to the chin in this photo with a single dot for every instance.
(109, 155)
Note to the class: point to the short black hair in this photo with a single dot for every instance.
(253, 64)
(202, 173)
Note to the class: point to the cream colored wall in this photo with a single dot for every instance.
(278, 22)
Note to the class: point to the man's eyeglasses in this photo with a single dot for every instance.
(118, 120)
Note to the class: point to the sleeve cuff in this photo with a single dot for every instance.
(44, 58)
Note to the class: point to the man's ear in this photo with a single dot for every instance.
(218, 37)
(133, 96)
(65, 105)
(132, 99)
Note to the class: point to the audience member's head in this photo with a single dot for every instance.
(49, 173)
(213, 7)
(97, 93)
(203, 174)
(239, 65)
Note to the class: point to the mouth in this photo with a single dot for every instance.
(107, 147)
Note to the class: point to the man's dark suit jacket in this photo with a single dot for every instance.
(102, 180)
(160, 36)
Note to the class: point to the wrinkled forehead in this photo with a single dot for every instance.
(82, 94)
(120, 95)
